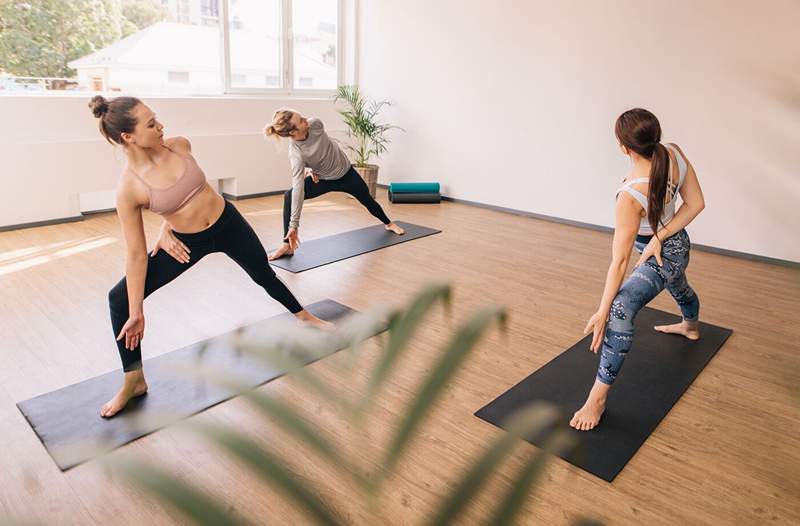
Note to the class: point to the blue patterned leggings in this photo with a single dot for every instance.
(644, 284)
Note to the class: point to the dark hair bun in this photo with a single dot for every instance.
(99, 106)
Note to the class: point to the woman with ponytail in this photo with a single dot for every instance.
(162, 175)
(646, 219)
(318, 166)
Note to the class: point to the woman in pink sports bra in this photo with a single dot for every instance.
(162, 175)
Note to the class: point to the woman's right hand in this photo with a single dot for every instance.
(132, 331)
(293, 238)
(653, 248)
(597, 326)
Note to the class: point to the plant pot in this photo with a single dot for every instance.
(370, 175)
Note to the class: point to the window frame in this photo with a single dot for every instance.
(287, 56)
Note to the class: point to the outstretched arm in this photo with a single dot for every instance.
(628, 216)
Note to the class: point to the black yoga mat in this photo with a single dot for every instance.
(68, 423)
(417, 197)
(658, 369)
(322, 251)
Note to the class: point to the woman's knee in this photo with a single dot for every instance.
(621, 315)
(118, 296)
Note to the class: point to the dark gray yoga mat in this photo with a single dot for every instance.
(657, 371)
(322, 251)
(67, 420)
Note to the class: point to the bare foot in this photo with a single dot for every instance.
(280, 252)
(685, 328)
(394, 228)
(588, 416)
(133, 387)
(308, 319)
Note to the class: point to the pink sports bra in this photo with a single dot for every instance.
(168, 200)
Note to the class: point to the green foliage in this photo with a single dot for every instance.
(361, 117)
(143, 13)
(372, 478)
(38, 38)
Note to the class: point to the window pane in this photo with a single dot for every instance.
(255, 37)
(143, 47)
(315, 27)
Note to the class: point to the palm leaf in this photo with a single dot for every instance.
(286, 418)
(526, 422)
(269, 468)
(201, 508)
(360, 118)
(282, 359)
(403, 328)
(533, 469)
(453, 357)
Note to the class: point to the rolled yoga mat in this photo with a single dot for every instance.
(432, 197)
(658, 369)
(68, 423)
(414, 188)
(318, 252)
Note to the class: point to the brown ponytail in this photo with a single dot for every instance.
(657, 190)
(640, 131)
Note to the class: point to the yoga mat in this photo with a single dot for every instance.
(432, 197)
(658, 369)
(322, 251)
(414, 188)
(68, 423)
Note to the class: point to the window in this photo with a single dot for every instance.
(295, 42)
(315, 43)
(209, 8)
(217, 46)
(254, 33)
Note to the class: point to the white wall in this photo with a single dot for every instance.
(512, 103)
(51, 151)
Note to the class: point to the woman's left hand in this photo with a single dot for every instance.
(597, 326)
(653, 248)
(310, 173)
(171, 245)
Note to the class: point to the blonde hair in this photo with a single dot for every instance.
(280, 126)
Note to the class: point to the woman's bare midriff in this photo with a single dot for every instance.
(200, 213)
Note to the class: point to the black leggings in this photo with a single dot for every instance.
(230, 234)
(350, 183)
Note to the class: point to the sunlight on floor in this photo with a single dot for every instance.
(24, 258)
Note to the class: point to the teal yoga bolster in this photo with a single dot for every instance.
(414, 188)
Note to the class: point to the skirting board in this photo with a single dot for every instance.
(601, 228)
(35, 224)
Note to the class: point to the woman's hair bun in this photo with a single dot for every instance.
(99, 106)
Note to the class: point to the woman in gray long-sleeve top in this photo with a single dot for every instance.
(319, 166)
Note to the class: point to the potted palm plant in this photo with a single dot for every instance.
(368, 134)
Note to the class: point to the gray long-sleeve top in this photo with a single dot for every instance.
(319, 153)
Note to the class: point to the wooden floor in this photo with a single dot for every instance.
(727, 453)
